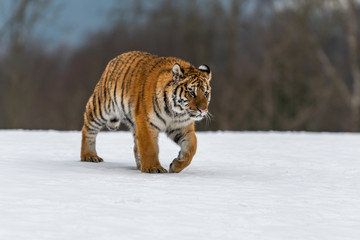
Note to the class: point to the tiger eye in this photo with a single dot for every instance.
(192, 94)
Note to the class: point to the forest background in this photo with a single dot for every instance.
(277, 65)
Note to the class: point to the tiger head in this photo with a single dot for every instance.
(192, 91)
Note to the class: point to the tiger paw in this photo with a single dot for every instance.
(92, 158)
(154, 170)
(177, 165)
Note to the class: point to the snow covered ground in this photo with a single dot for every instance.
(240, 185)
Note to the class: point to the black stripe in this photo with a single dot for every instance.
(152, 124)
(159, 60)
(174, 95)
(128, 122)
(178, 115)
(182, 120)
(137, 107)
(113, 108)
(134, 57)
(107, 79)
(120, 61)
(116, 83)
(181, 91)
(169, 132)
(157, 113)
(100, 111)
(174, 99)
(111, 105)
(126, 86)
(155, 106)
(166, 104)
(136, 69)
(143, 88)
(156, 102)
(90, 128)
(94, 121)
(104, 93)
(94, 103)
(129, 107)
(92, 110)
(105, 74)
(108, 98)
(92, 118)
(181, 108)
(159, 117)
(178, 137)
(194, 82)
(87, 127)
(90, 137)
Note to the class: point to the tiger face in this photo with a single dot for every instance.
(192, 93)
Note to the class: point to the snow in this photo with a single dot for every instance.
(240, 185)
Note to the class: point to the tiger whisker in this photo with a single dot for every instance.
(208, 118)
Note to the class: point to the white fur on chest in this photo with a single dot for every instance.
(164, 122)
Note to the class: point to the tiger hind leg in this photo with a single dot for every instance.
(88, 143)
(137, 158)
(136, 152)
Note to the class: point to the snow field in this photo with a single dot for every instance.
(240, 185)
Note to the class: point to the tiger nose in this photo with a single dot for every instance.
(202, 109)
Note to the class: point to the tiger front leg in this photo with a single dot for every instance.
(186, 138)
(146, 148)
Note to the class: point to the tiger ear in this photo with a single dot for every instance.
(205, 68)
(178, 72)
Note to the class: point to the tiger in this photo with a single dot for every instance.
(149, 94)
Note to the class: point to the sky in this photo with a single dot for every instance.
(70, 22)
(76, 18)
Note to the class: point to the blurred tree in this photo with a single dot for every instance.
(18, 92)
(279, 65)
(352, 29)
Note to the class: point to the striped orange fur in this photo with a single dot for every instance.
(149, 94)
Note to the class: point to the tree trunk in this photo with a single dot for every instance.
(353, 51)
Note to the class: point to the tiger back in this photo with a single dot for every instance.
(149, 94)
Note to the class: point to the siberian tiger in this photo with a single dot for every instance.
(149, 94)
